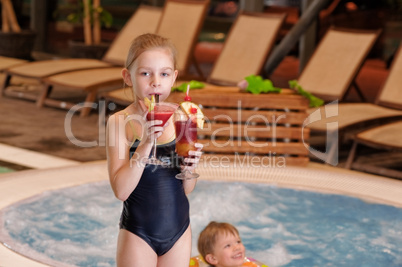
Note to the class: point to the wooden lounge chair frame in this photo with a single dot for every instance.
(146, 16)
(247, 46)
(8, 62)
(387, 108)
(386, 138)
(93, 80)
(332, 69)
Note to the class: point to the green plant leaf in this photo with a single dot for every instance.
(73, 18)
(106, 18)
(77, 16)
(193, 85)
(257, 85)
(314, 101)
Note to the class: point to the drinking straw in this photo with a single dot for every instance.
(187, 98)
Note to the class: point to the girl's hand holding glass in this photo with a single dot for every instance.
(191, 162)
(153, 130)
(157, 116)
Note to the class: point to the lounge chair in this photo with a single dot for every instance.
(385, 138)
(185, 19)
(334, 65)
(250, 40)
(144, 20)
(335, 119)
(388, 136)
(8, 62)
(246, 48)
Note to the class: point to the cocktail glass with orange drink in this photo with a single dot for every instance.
(187, 119)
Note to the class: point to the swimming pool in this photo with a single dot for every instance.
(279, 226)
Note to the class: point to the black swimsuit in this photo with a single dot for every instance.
(158, 210)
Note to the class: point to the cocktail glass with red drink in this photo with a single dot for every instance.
(161, 111)
(186, 137)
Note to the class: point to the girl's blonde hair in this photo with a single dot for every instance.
(208, 236)
(146, 42)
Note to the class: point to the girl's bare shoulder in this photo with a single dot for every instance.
(130, 119)
(123, 114)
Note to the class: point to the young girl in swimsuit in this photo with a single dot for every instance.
(154, 225)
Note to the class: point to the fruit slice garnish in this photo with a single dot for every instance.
(150, 104)
(191, 108)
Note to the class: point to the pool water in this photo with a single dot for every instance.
(279, 226)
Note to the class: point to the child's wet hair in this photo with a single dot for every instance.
(146, 42)
(211, 232)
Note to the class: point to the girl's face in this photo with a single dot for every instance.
(229, 251)
(152, 73)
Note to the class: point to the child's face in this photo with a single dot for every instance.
(153, 73)
(229, 251)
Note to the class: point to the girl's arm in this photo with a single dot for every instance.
(124, 174)
(189, 184)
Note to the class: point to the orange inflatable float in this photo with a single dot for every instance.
(198, 261)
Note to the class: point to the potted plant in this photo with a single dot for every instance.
(14, 42)
(91, 15)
